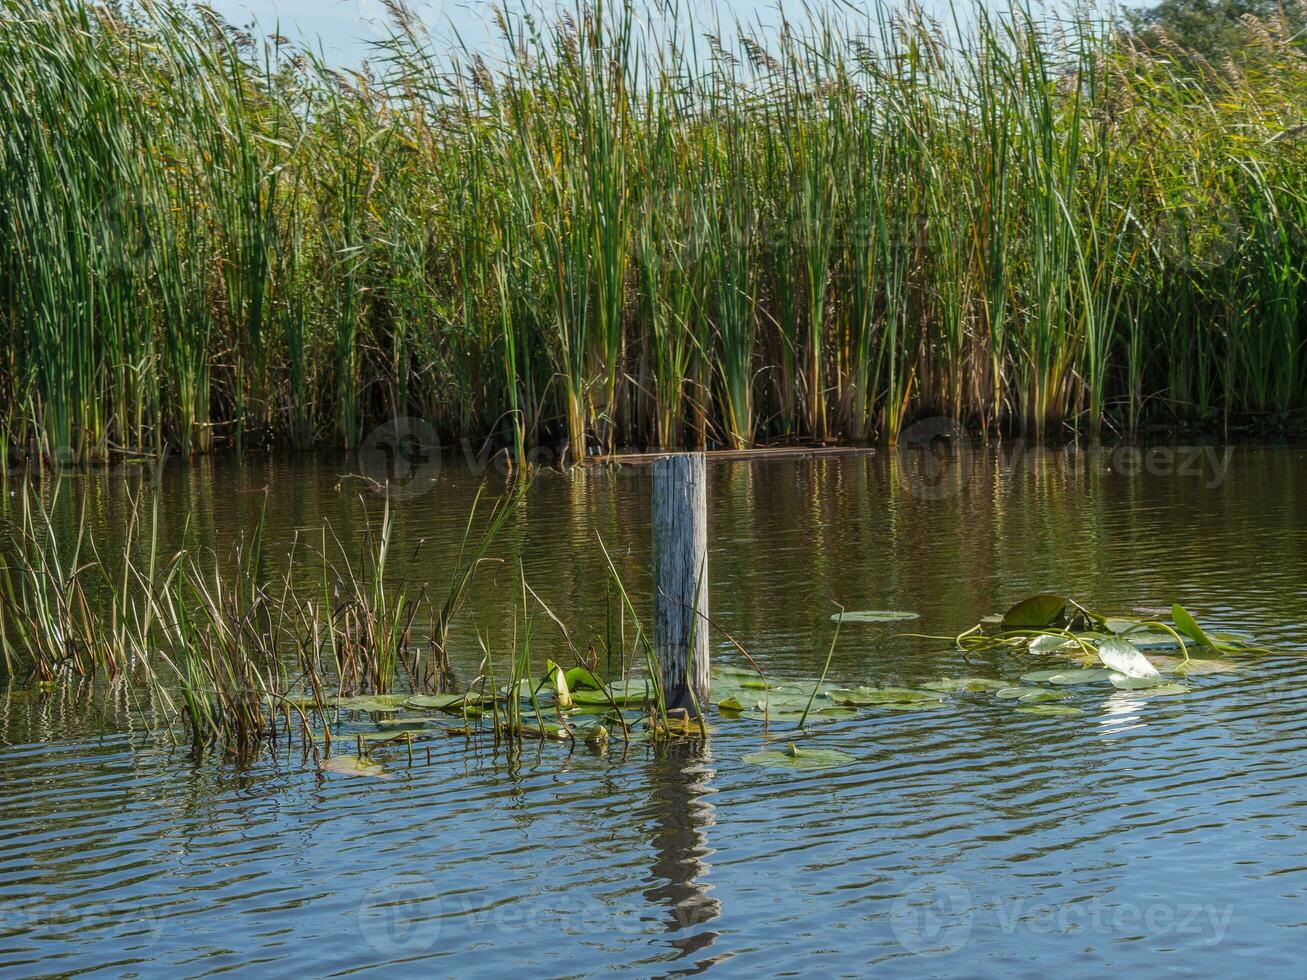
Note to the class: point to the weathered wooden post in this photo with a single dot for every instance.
(680, 578)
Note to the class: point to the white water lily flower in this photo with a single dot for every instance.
(1124, 657)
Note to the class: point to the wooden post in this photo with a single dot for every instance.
(680, 579)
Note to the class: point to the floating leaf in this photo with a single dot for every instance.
(1031, 695)
(1164, 689)
(1123, 657)
(352, 765)
(1050, 709)
(1040, 676)
(393, 725)
(1186, 624)
(971, 684)
(730, 704)
(373, 702)
(880, 695)
(1048, 642)
(579, 677)
(1203, 665)
(793, 757)
(437, 702)
(874, 616)
(1035, 613)
(1124, 682)
(1119, 624)
(1087, 675)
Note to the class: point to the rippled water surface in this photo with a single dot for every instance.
(1146, 836)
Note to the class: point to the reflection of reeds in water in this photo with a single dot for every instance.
(235, 651)
(679, 814)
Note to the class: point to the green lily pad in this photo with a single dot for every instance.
(438, 702)
(948, 685)
(579, 677)
(1199, 665)
(1050, 709)
(1020, 693)
(372, 702)
(1036, 612)
(1119, 624)
(880, 695)
(1165, 689)
(875, 616)
(1040, 676)
(1186, 624)
(1043, 696)
(1085, 675)
(732, 705)
(393, 725)
(793, 757)
(352, 765)
(1048, 642)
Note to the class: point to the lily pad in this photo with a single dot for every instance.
(438, 702)
(393, 725)
(1048, 642)
(1020, 693)
(352, 765)
(1085, 675)
(732, 705)
(880, 695)
(579, 677)
(948, 685)
(793, 757)
(372, 702)
(1123, 657)
(875, 616)
(1200, 665)
(1034, 613)
(1040, 676)
(1165, 689)
(1186, 624)
(1050, 709)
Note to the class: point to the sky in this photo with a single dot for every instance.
(344, 27)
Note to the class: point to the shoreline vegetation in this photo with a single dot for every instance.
(625, 235)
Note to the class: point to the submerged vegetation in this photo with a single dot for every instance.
(633, 230)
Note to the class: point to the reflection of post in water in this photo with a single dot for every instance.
(680, 781)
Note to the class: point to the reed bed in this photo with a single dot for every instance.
(240, 652)
(624, 230)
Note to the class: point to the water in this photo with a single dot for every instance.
(1145, 836)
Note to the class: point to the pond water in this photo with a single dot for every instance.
(1142, 836)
